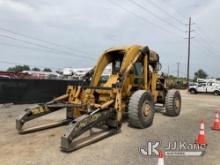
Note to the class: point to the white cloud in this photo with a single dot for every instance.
(16, 6)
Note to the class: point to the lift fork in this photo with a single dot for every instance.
(82, 124)
(41, 110)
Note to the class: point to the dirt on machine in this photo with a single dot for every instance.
(133, 88)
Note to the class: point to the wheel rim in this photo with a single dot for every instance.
(177, 103)
(146, 109)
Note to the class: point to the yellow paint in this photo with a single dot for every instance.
(121, 81)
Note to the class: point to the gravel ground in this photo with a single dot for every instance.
(42, 148)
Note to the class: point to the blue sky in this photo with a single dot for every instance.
(79, 31)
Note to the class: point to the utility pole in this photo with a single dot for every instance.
(178, 70)
(188, 59)
(168, 70)
(189, 45)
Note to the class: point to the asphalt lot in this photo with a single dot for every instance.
(42, 148)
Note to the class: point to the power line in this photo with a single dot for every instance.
(176, 10)
(200, 45)
(203, 33)
(204, 43)
(33, 48)
(206, 39)
(37, 39)
(25, 47)
(156, 16)
(45, 47)
(164, 11)
(138, 16)
(207, 49)
(205, 46)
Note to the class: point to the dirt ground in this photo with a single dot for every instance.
(42, 148)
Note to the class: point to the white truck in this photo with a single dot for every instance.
(205, 86)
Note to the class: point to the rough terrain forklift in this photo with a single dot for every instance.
(133, 88)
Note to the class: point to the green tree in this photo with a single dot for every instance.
(18, 68)
(35, 69)
(47, 70)
(200, 74)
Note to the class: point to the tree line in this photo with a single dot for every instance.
(20, 68)
(198, 74)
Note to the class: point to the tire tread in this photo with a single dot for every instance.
(134, 105)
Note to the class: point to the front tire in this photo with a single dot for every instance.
(140, 109)
(216, 93)
(192, 91)
(173, 103)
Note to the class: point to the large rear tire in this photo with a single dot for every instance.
(140, 109)
(173, 102)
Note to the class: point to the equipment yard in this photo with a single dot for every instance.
(109, 82)
(43, 147)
